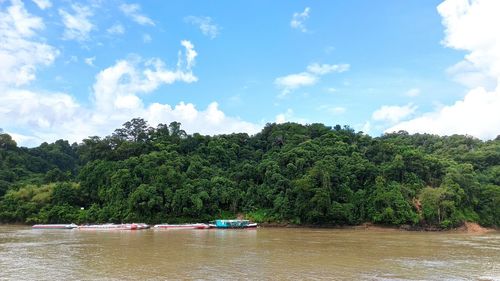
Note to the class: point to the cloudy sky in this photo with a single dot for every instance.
(72, 69)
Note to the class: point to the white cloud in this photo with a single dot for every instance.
(322, 69)
(133, 11)
(77, 24)
(21, 51)
(471, 26)
(17, 19)
(209, 121)
(394, 113)
(298, 20)
(366, 127)
(116, 87)
(477, 114)
(289, 116)
(49, 116)
(190, 53)
(465, 73)
(280, 118)
(43, 4)
(292, 82)
(36, 110)
(205, 24)
(89, 61)
(284, 117)
(81, 123)
(116, 29)
(24, 140)
(116, 99)
(71, 59)
(146, 38)
(413, 92)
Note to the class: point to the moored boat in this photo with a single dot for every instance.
(54, 226)
(112, 226)
(225, 224)
(182, 226)
(143, 226)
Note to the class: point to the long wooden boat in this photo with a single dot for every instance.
(143, 226)
(112, 226)
(182, 226)
(54, 226)
(226, 224)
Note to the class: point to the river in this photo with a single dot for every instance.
(260, 254)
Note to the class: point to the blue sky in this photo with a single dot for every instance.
(225, 66)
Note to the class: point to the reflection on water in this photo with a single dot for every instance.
(262, 254)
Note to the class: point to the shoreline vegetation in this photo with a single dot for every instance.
(307, 175)
(466, 227)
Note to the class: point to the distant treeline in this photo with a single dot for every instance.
(302, 174)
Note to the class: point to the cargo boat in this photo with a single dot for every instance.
(225, 224)
(182, 226)
(143, 226)
(54, 226)
(112, 226)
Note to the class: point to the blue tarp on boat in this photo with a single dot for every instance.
(231, 223)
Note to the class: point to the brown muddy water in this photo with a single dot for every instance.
(260, 254)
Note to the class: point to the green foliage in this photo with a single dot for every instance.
(438, 206)
(388, 205)
(260, 216)
(312, 174)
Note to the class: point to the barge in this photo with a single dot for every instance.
(55, 226)
(182, 226)
(225, 224)
(112, 226)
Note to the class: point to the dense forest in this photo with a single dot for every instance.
(288, 173)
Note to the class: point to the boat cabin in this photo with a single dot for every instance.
(232, 223)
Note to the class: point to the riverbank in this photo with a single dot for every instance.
(471, 227)
(467, 227)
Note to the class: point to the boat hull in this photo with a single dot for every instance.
(233, 224)
(181, 226)
(125, 226)
(54, 226)
(246, 226)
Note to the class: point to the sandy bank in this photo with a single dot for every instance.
(473, 228)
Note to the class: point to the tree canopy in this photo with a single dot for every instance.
(304, 174)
